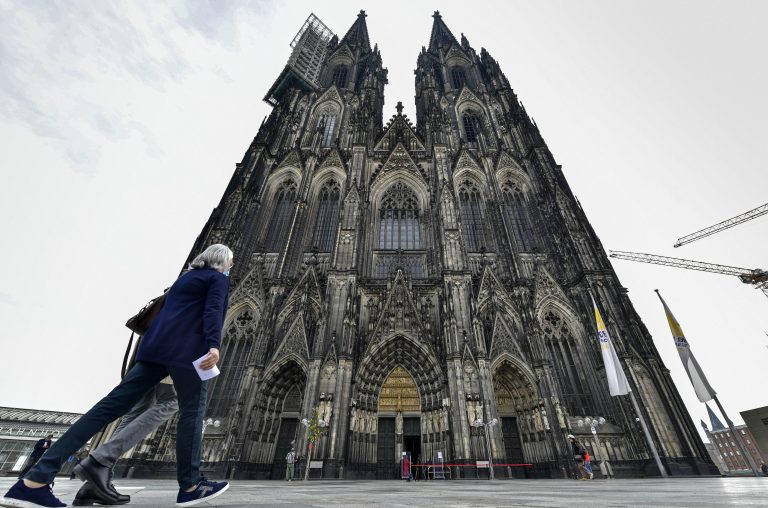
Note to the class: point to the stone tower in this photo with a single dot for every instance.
(406, 281)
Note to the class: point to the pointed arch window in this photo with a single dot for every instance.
(438, 76)
(399, 219)
(472, 224)
(458, 77)
(472, 128)
(516, 208)
(566, 360)
(237, 344)
(326, 125)
(282, 213)
(340, 76)
(327, 216)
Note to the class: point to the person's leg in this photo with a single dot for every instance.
(192, 393)
(121, 399)
(154, 409)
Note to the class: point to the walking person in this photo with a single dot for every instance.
(155, 408)
(290, 460)
(187, 328)
(40, 448)
(578, 455)
(588, 465)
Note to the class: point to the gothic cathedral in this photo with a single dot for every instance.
(410, 284)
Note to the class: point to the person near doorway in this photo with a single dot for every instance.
(588, 465)
(578, 452)
(290, 460)
(40, 448)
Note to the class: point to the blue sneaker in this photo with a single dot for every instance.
(204, 492)
(19, 495)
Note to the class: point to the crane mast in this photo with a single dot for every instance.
(756, 277)
(720, 226)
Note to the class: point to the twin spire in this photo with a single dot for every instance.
(357, 35)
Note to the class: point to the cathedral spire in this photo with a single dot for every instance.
(441, 34)
(716, 423)
(357, 35)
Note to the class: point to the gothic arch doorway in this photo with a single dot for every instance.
(276, 416)
(521, 416)
(399, 421)
(399, 378)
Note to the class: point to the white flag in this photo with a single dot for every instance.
(699, 381)
(617, 381)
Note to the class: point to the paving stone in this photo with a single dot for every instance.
(678, 492)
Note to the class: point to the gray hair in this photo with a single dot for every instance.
(216, 256)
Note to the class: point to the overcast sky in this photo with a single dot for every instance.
(121, 123)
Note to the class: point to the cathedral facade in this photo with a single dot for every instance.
(410, 284)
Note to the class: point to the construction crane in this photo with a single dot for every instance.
(757, 277)
(733, 221)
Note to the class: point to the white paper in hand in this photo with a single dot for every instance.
(205, 374)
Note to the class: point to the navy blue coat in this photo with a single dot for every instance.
(190, 321)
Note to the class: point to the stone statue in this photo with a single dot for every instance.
(328, 411)
(399, 423)
(560, 415)
(353, 420)
(537, 424)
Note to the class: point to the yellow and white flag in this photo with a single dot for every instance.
(699, 381)
(617, 380)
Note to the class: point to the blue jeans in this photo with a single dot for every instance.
(136, 383)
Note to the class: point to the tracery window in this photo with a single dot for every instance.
(399, 219)
(458, 77)
(472, 224)
(564, 354)
(282, 213)
(516, 208)
(327, 216)
(471, 128)
(340, 76)
(326, 125)
(438, 76)
(237, 344)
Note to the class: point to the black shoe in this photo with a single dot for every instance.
(89, 470)
(87, 496)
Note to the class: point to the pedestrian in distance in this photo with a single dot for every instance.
(40, 448)
(290, 460)
(156, 407)
(578, 455)
(588, 465)
(187, 328)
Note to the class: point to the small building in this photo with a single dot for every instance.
(757, 423)
(20, 429)
(725, 452)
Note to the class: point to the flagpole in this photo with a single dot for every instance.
(639, 413)
(648, 438)
(747, 456)
(704, 392)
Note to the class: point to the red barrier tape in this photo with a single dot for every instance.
(470, 465)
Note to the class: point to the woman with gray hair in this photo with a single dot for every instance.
(187, 328)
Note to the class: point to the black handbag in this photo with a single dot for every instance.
(139, 324)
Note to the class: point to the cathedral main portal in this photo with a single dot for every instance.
(399, 413)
